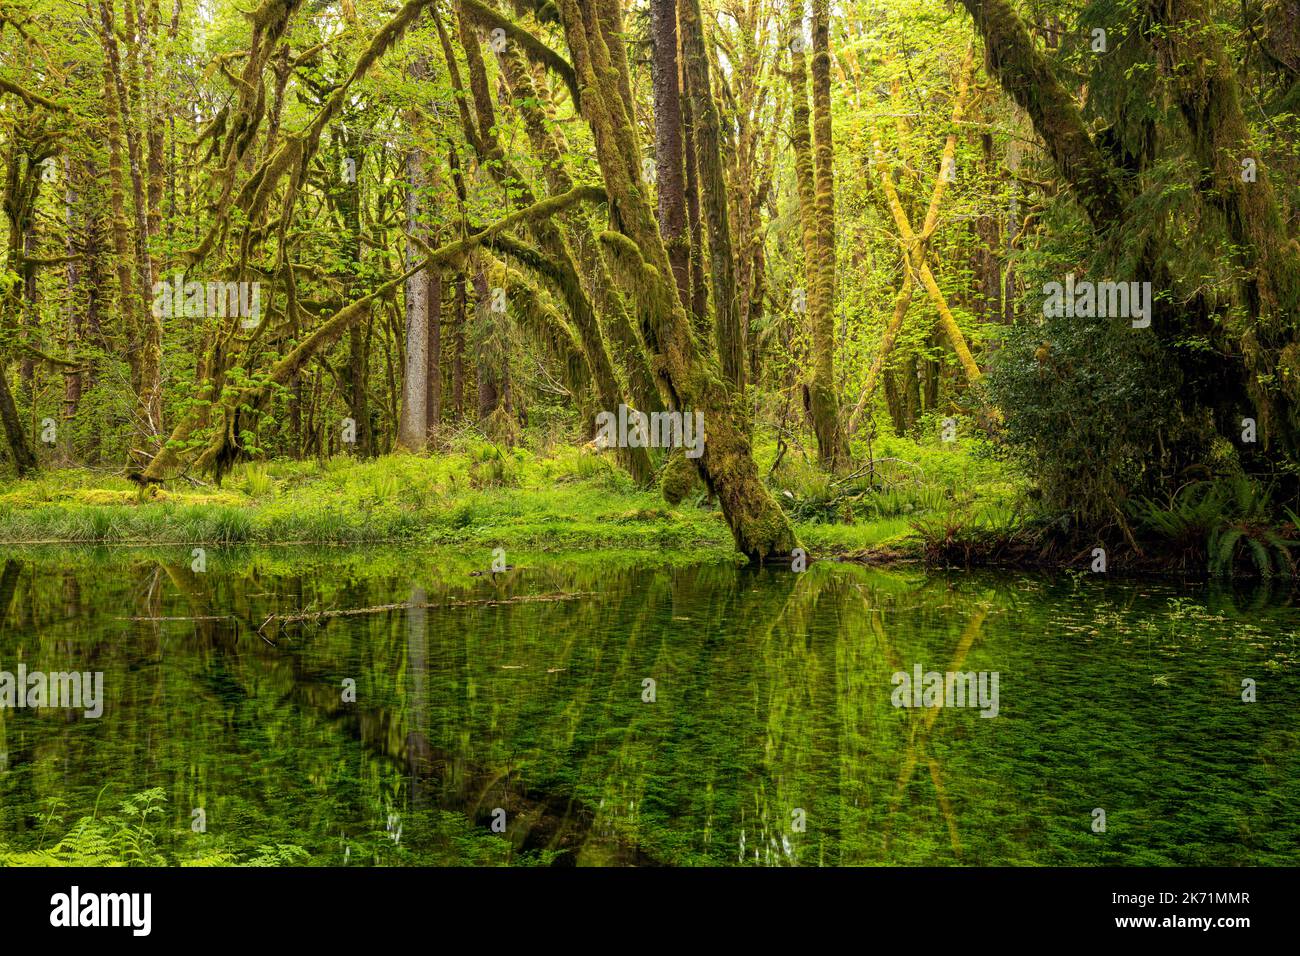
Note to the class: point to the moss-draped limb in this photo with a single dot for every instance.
(533, 97)
(219, 451)
(536, 50)
(1203, 82)
(1027, 77)
(546, 326)
(297, 152)
(688, 376)
(552, 240)
(31, 98)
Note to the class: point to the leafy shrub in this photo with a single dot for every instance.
(1092, 408)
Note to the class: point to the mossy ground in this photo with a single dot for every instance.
(565, 498)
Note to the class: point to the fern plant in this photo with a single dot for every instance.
(1221, 524)
(130, 838)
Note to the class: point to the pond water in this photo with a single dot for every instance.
(639, 709)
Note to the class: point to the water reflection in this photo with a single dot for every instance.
(518, 703)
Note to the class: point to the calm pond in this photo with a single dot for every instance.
(633, 709)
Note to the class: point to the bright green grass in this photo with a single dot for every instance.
(485, 495)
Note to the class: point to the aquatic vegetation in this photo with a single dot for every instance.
(537, 707)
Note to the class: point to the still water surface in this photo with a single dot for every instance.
(768, 735)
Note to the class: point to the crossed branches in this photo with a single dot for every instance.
(916, 250)
(920, 731)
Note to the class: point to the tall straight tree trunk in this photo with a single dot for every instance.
(699, 304)
(831, 442)
(31, 309)
(72, 329)
(820, 401)
(433, 355)
(412, 426)
(458, 348)
(148, 355)
(713, 195)
(17, 209)
(670, 162)
(358, 366)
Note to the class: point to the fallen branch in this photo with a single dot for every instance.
(206, 617)
(403, 605)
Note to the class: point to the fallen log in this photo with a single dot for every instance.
(315, 616)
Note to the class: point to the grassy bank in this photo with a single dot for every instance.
(480, 494)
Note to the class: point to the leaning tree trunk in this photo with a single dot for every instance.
(1027, 76)
(689, 377)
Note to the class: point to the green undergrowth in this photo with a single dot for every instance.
(144, 830)
(482, 494)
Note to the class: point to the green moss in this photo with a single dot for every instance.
(678, 478)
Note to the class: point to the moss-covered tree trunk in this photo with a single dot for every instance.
(1203, 81)
(532, 97)
(689, 378)
(814, 183)
(670, 161)
(729, 337)
(550, 237)
(1027, 77)
(19, 199)
(831, 442)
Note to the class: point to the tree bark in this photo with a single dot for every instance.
(413, 423)
(413, 426)
(433, 355)
(1027, 76)
(729, 337)
(670, 162)
(831, 442)
(689, 377)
